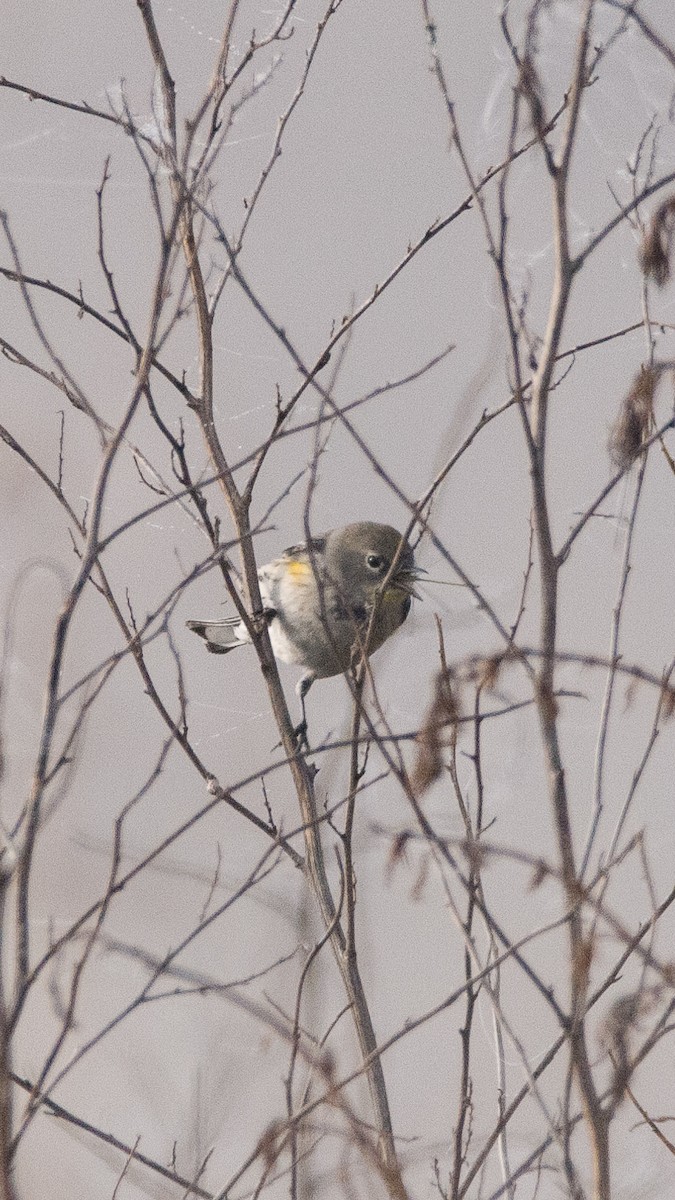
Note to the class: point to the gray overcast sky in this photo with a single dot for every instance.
(365, 169)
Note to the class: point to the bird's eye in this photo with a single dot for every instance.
(375, 562)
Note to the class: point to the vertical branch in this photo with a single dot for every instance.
(7, 1191)
(460, 1144)
(580, 950)
(598, 789)
(355, 774)
(88, 560)
(239, 506)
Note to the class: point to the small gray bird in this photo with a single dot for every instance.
(318, 598)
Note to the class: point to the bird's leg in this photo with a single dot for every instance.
(300, 731)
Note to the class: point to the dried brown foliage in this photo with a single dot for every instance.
(631, 428)
(656, 248)
(443, 714)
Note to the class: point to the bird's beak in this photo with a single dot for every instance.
(406, 580)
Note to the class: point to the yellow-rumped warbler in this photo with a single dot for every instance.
(318, 599)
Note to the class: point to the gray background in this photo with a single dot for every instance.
(365, 169)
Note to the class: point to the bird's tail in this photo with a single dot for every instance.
(220, 636)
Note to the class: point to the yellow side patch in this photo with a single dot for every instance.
(298, 569)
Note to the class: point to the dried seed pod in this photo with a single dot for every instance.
(657, 243)
(443, 713)
(631, 427)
